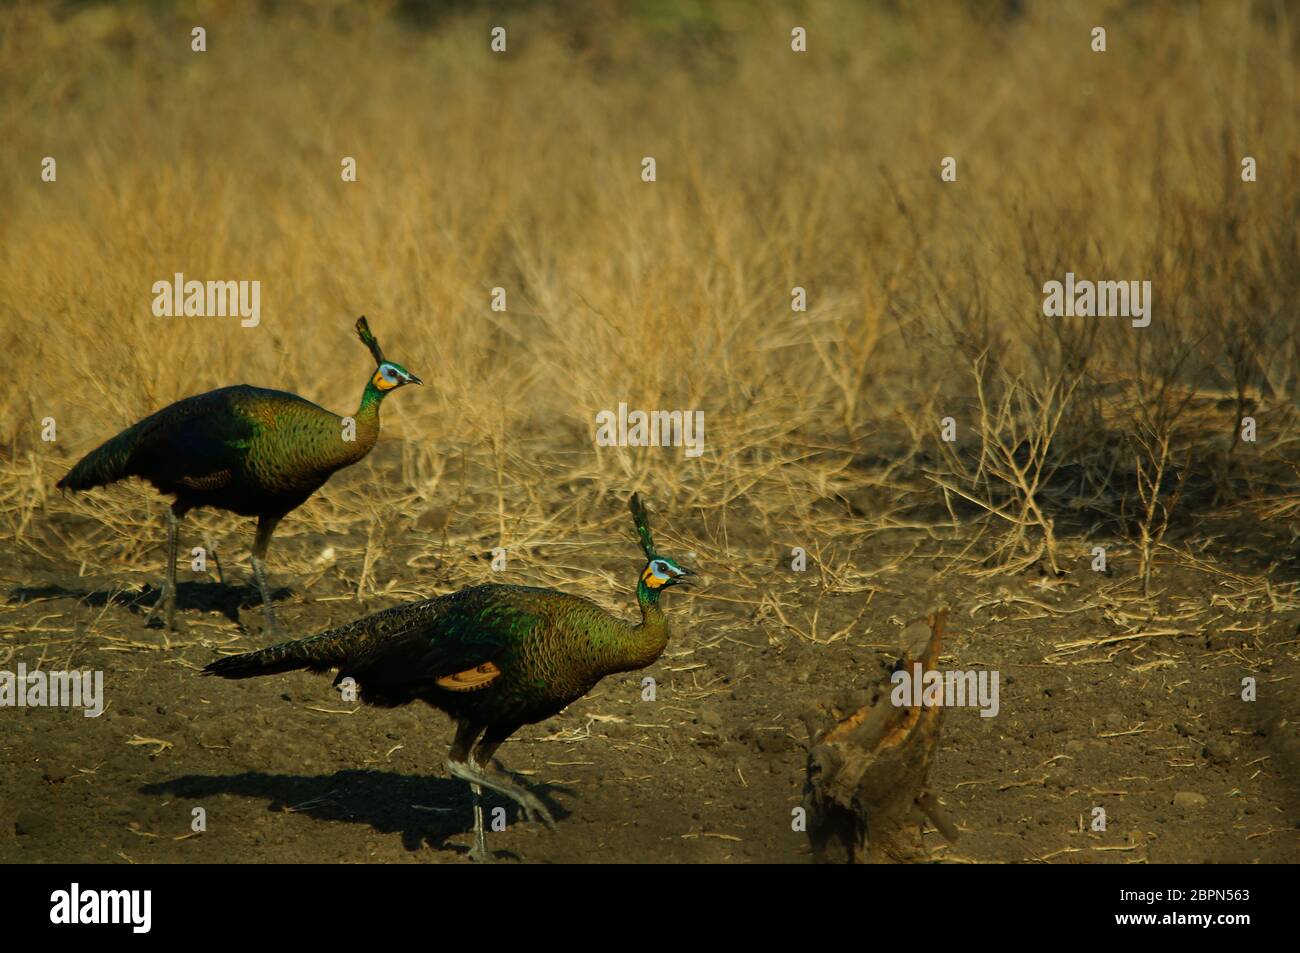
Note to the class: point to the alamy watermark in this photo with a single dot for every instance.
(208, 299)
(1098, 299)
(73, 906)
(952, 689)
(42, 689)
(654, 428)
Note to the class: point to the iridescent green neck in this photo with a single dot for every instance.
(371, 398)
(367, 426)
(651, 636)
(648, 600)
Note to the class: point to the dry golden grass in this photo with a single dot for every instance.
(774, 170)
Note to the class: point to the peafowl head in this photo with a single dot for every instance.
(660, 572)
(388, 375)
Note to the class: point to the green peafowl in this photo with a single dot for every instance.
(493, 657)
(249, 450)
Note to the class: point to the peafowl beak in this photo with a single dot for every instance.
(411, 379)
(681, 580)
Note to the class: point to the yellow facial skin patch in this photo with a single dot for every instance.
(651, 580)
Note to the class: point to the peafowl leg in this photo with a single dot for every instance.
(466, 733)
(265, 527)
(469, 768)
(216, 561)
(173, 539)
(479, 853)
(167, 600)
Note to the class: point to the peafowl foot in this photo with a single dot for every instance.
(534, 810)
(531, 806)
(153, 614)
(166, 605)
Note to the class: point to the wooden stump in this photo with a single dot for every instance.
(866, 795)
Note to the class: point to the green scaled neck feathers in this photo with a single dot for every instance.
(648, 599)
(371, 398)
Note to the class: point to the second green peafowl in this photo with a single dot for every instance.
(249, 450)
(494, 657)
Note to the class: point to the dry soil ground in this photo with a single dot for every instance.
(1104, 703)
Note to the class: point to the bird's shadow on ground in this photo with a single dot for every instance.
(423, 810)
(220, 597)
